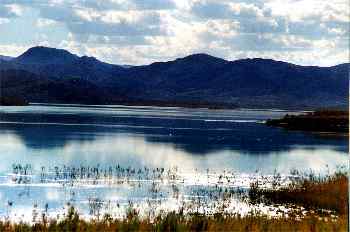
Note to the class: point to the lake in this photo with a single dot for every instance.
(107, 158)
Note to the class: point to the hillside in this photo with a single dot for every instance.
(44, 74)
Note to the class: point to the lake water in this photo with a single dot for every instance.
(104, 157)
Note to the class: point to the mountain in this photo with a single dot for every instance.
(31, 87)
(245, 83)
(44, 74)
(59, 63)
(44, 56)
(5, 58)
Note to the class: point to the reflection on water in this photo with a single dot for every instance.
(137, 152)
(194, 131)
(191, 140)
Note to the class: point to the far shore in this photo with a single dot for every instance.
(323, 122)
(208, 106)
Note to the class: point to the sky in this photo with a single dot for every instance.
(135, 32)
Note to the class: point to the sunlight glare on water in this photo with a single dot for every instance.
(142, 154)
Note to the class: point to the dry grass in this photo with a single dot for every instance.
(329, 193)
(314, 193)
(179, 222)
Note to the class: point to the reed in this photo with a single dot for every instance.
(316, 203)
(328, 192)
(179, 222)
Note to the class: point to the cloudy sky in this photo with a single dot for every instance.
(308, 32)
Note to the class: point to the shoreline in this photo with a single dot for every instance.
(308, 212)
(207, 106)
(272, 109)
(322, 122)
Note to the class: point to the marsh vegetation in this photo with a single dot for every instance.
(336, 121)
(297, 202)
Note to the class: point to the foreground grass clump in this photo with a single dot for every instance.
(328, 193)
(180, 222)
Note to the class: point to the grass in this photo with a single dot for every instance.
(313, 193)
(179, 222)
(328, 193)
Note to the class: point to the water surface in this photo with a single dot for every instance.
(196, 144)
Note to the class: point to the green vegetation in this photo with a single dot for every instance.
(319, 121)
(316, 194)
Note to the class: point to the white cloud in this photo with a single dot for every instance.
(10, 10)
(4, 20)
(13, 49)
(45, 22)
(139, 32)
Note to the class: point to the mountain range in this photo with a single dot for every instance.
(50, 75)
(6, 58)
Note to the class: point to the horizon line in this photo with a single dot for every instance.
(173, 59)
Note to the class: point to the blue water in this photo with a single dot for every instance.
(189, 140)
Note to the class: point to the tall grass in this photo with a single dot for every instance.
(315, 203)
(315, 192)
(179, 222)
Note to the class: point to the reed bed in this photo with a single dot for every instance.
(328, 192)
(179, 222)
(314, 203)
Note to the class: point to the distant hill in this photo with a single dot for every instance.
(44, 74)
(5, 58)
(46, 56)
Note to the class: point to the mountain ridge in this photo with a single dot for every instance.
(58, 50)
(6, 58)
(198, 79)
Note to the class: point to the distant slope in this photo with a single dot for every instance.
(44, 56)
(35, 88)
(247, 83)
(5, 58)
(195, 80)
(58, 63)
